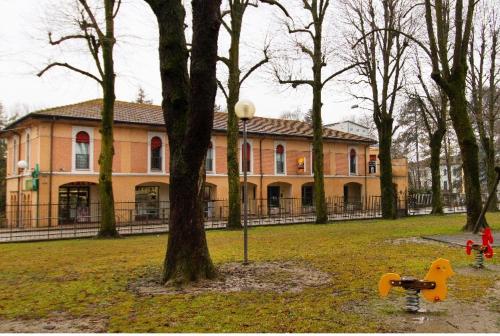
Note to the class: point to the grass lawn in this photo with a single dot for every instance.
(90, 278)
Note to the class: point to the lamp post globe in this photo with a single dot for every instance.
(22, 165)
(244, 109)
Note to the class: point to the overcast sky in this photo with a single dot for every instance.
(24, 50)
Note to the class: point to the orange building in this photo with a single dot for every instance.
(65, 142)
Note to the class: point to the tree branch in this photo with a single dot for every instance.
(277, 4)
(408, 36)
(64, 38)
(255, 67)
(341, 72)
(66, 65)
(223, 89)
(92, 18)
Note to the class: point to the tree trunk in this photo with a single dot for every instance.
(388, 194)
(319, 179)
(436, 139)
(491, 175)
(233, 171)
(447, 154)
(469, 152)
(108, 220)
(188, 108)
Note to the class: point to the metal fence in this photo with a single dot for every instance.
(62, 221)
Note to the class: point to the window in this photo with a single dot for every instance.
(445, 184)
(74, 204)
(156, 158)
(279, 158)
(82, 150)
(372, 165)
(307, 195)
(352, 162)
(15, 156)
(209, 161)
(147, 202)
(248, 164)
(28, 149)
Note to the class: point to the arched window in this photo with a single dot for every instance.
(156, 159)
(248, 164)
(82, 150)
(209, 161)
(280, 159)
(352, 162)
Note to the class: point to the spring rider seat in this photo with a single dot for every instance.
(433, 286)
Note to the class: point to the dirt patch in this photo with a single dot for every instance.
(414, 240)
(450, 316)
(55, 323)
(270, 276)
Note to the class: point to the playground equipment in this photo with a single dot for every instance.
(483, 250)
(433, 286)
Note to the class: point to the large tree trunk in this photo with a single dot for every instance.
(108, 220)
(436, 139)
(469, 153)
(491, 176)
(388, 194)
(188, 110)
(233, 172)
(319, 179)
(447, 155)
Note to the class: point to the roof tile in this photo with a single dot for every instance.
(147, 114)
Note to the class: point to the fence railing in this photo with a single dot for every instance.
(55, 221)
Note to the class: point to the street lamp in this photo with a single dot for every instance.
(245, 110)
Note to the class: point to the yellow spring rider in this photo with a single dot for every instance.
(433, 286)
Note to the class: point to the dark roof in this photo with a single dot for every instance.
(146, 114)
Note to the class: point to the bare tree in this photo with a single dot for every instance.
(309, 40)
(188, 109)
(484, 77)
(100, 42)
(231, 90)
(433, 106)
(382, 56)
(449, 72)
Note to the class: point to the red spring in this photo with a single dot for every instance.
(468, 247)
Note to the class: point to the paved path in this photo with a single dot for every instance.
(461, 239)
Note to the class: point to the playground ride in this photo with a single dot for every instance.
(482, 250)
(485, 249)
(433, 286)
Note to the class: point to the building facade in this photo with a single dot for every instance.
(352, 127)
(63, 144)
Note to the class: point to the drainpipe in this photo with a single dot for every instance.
(18, 214)
(50, 168)
(261, 173)
(366, 175)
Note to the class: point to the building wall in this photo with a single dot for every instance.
(130, 166)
